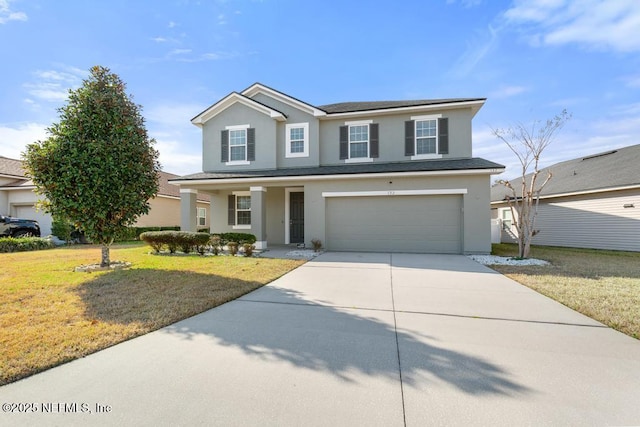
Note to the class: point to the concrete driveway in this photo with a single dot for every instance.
(355, 339)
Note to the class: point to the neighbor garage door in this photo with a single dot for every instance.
(30, 212)
(425, 224)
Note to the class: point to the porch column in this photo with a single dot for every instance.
(259, 216)
(188, 198)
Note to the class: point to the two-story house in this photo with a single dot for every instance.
(393, 176)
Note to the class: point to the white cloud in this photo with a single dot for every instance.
(53, 85)
(466, 3)
(483, 43)
(596, 24)
(177, 140)
(179, 52)
(14, 137)
(171, 24)
(175, 158)
(508, 91)
(632, 81)
(159, 39)
(6, 14)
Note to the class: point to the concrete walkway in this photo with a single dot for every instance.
(356, 339)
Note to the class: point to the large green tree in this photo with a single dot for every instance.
(98, 167)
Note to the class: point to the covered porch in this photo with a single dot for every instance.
(274, 214)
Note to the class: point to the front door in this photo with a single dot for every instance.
(296, 217)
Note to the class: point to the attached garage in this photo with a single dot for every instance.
(395, 223)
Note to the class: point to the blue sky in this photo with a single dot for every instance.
(530, 59)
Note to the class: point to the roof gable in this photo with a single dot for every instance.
(258, 88)
(232, 99)
(592, 173)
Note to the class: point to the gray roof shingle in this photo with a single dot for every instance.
(610, 169)
(349, 169)
(350, 107)
(11, 167)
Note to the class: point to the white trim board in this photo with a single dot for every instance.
(265, 179)
(391, 193)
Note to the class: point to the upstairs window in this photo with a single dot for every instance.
(426, 137)
(297, 140)
(359, 141)
(238, 145)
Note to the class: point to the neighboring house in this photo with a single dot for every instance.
(165, 207)
(17, 196)
(590, 202)
(18, 199)
(393, 176)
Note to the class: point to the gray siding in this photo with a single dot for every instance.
(597, 221)
(294, 115)
(391, 136)
(239, 114)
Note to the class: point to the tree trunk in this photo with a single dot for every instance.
(105, 261)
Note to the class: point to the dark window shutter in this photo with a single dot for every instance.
(443, 136)
(224, 152)
(232, 209)
(344, 142)
(409, 140)
(374, 151)
(251, 144)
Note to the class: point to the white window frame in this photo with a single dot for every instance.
(201, 213)
(241, 194)
(417, 119)
(246, 145)
(507, 223)
(368, 158)
(305, 140)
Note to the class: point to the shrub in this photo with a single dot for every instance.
(23, 244)
(242, 238)
(215, 243)
(317, 244)
(248, 249)
(233, 247)
(186, 241)
(62, 229)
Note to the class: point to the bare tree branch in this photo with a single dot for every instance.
(528, 144)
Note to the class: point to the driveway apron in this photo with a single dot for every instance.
(355, 339)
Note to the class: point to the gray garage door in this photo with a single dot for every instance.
(423, 224)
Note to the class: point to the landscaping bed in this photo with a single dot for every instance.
(604, 285)
(51, 314)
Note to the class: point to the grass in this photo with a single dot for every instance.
(51, 315)
(604, 285)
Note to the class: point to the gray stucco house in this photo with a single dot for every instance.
(393, 176)
(590, 202)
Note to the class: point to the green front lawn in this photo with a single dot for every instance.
(51, 315)
(604, 285)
